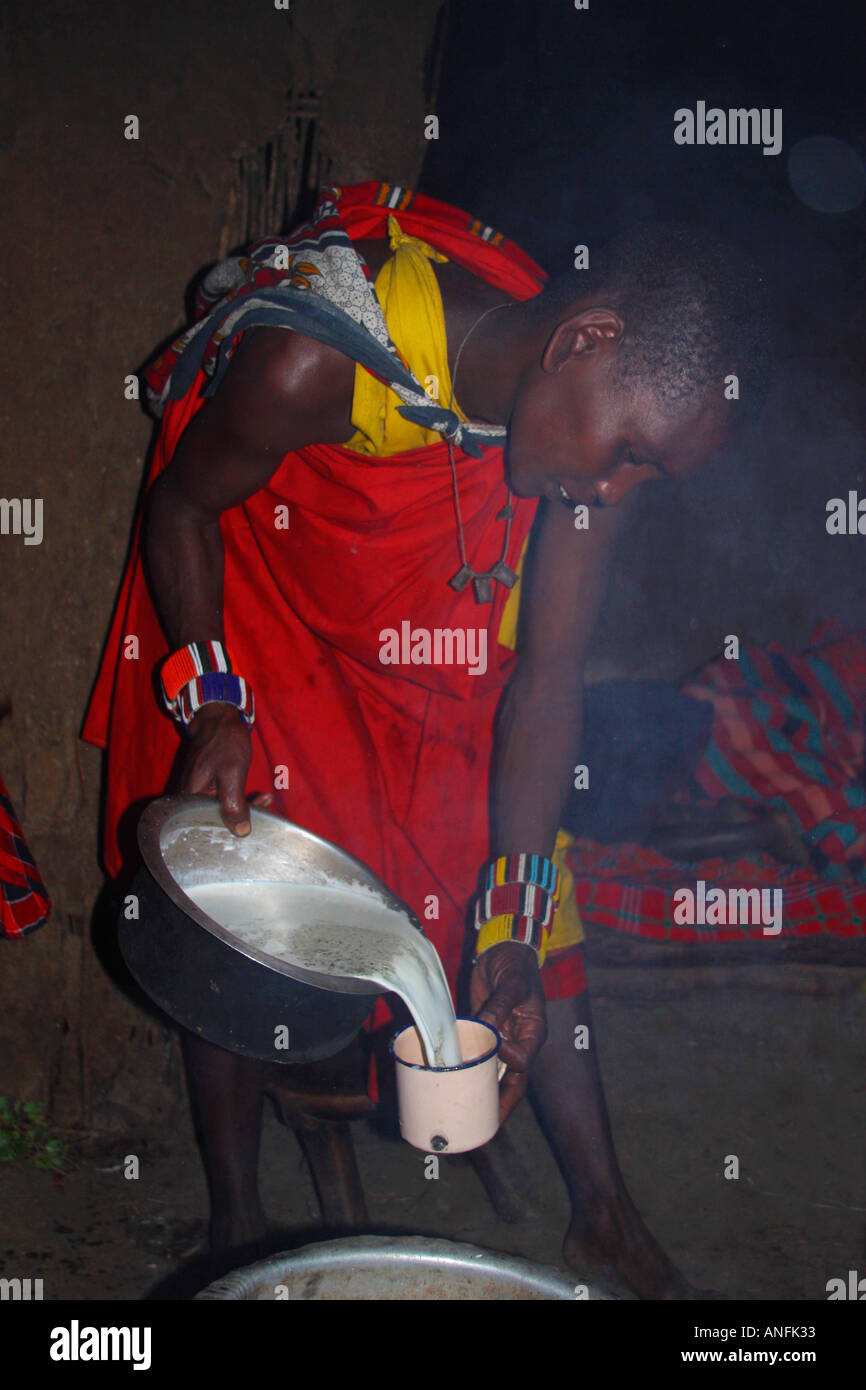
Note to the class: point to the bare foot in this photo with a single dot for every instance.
(617, 1252)
(246, 1232)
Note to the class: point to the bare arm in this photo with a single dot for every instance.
(537, 745)
(539, 729)
(281, 392)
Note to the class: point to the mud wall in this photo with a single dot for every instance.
(106, 233)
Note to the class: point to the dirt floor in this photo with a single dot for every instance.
(776, 1077)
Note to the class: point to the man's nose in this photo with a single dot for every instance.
(610, 491)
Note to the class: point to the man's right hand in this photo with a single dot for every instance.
(216, 761)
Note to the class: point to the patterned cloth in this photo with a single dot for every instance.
(630, 889)
(24, 903)
(313, 281)
(788, 731)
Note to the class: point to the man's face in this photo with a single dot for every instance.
(579, 430)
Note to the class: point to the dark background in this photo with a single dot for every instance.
(556, 126)
(565, 118)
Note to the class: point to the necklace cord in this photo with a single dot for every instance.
(461, 538)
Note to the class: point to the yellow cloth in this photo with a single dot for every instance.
(508, 625)
(566, 929)
(408, 293)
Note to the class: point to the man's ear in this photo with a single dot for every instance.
(585, 331)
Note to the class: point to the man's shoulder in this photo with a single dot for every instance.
(280, 369)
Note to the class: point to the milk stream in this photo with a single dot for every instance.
(347, 932)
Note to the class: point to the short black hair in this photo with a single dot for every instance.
(696, 309)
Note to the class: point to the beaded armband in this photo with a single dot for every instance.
(195, 659)
(521, 868)
(215, 686)
(517, 902)
(200, 674)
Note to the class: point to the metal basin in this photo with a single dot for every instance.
(207, 979)
(396, 1268)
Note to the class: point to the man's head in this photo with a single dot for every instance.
(629, 381)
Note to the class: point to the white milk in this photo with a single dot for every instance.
(350, 932)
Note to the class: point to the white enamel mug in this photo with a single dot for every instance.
(449, 1110)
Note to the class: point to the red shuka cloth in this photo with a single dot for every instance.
(390, 762)
(24, 902)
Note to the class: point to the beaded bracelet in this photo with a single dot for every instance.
(195, 659)
(522, 899)
(518, 899)
(509, 927)
(199, 674)
(215, 686)
(521, 868)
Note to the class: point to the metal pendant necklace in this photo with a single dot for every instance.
(501, 572)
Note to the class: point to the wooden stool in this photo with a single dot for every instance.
(320, 1100)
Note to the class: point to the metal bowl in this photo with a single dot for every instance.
(203, 976)
(396, 1267)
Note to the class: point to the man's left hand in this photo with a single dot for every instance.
(505, 990)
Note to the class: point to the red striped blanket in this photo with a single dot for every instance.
(788, 730)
